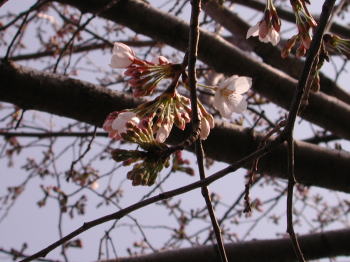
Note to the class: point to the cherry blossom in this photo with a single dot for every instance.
(115, 124)
(268, 28)
(266, 33)
(228, 96)
(123, 56)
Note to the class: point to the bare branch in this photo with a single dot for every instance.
(319, 245)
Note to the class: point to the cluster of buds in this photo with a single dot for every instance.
(315, 70)
(164, 111)
(160, 115)
(305, 22)
(180, 164)
(147, 163)
(150, 124)
(269, 27)
(331, 44)
(336, 44)
(143, 75)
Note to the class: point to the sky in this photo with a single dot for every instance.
(27, 223)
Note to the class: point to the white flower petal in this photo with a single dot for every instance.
(210, 120)
(205, 129)
(123, 56)
(274, 37)
(225, 110)
(122, 48)
(163, 132)
(243, 84)
(218, 99)
(120, 61)
(229, 83)
(119, 124)
(238, 103)
(253, 31)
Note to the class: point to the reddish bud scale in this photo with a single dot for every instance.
(301, 51)
(276, 22)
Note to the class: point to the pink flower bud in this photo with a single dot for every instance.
(123, 56)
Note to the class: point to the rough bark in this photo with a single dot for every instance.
(83, 101)
(315, 246)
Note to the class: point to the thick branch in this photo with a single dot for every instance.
(320, 245)
(225, 58)
(32, 89)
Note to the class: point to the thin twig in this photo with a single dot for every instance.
(83, 154)
(178, 191)
(70, 41)
(192, 58)
(20, 119)
(52, 134)
(37, 5)
(291, 182)
(287, 133)
(16, 36)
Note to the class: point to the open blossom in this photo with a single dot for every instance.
(123, 56)
(266, 33)
(115, 124)
(268, 28)
(228, 97)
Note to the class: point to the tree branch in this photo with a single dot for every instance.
(270, 54)
(319, 245)
(219, 54)
(83, 101)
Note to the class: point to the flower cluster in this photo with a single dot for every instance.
(305, 22)
(148, 163)
(150, 124)
(143, 75)
(269, 27)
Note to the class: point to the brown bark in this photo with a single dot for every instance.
(315, 246)
(83, 101)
